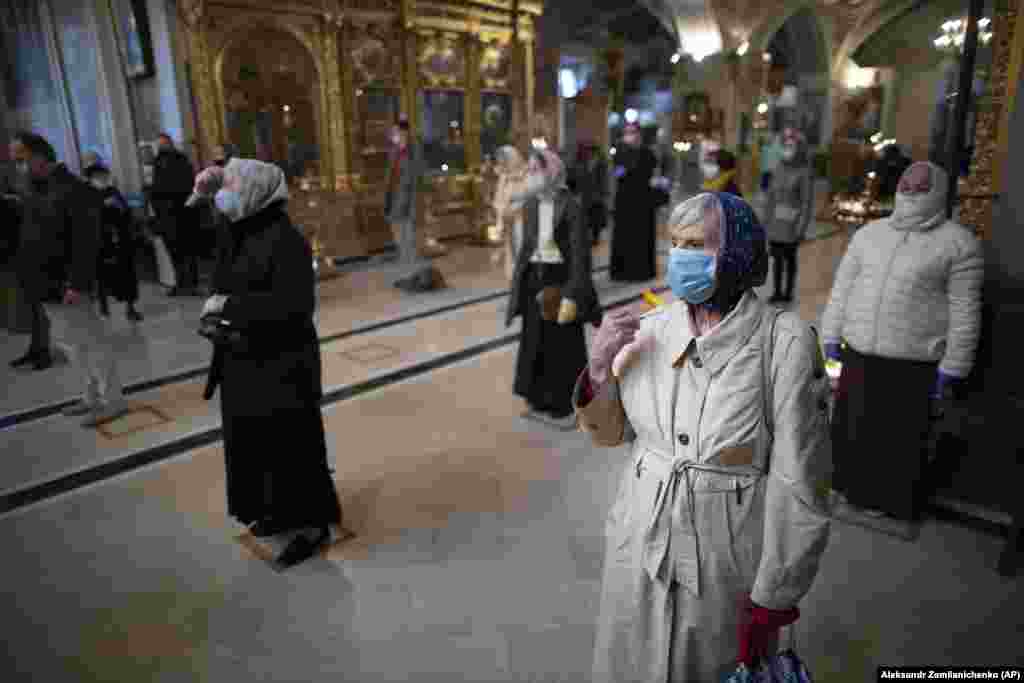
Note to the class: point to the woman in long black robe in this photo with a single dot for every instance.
(634, 238)
(275, 449)
(552, 353)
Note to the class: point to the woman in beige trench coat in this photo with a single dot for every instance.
(723, 510)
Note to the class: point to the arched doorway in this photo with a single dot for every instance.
(798, 81)
(270, 90)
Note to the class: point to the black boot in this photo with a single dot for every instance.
(27, 359)
(303, 547)
(42, 361)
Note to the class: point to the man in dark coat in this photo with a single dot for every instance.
(173, 176)
(405, 169)
(553, 290)
(275, 448)
(117, 273)
(20, 188)
(58, 259)
(634, 240)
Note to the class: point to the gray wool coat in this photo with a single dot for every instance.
(790, 204)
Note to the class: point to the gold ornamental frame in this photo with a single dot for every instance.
(339, 209)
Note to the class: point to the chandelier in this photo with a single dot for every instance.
(955, 31)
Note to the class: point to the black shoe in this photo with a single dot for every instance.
(302, 548)
(27, 359)
(42, 361)
(269, 527)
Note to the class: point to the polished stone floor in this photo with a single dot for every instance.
(478, 546)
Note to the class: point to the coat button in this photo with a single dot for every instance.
(684, 439)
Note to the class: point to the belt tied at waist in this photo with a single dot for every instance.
(666, 518)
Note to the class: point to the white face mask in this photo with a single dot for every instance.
(710, 171)
(919, 210)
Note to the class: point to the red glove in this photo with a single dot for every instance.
(759, 630)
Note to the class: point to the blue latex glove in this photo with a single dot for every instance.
(832, 351)
(620, 171)
(945, 385)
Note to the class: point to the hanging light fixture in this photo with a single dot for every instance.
(954, 33)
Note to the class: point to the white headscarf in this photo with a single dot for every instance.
(257, 184)
(920, 212)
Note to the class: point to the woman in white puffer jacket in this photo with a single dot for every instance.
(907, 302)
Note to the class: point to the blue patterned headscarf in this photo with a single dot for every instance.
(742, 262)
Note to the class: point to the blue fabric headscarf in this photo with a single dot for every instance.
(742, 261)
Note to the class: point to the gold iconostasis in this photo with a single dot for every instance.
(316, 85)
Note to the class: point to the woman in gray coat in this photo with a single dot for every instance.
(723, 510)
(790, 207)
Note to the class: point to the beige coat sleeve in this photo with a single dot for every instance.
(797, 502)
(603, 418)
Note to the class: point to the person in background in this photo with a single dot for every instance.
(32, 283)
(771, 157)
(511, 169)
(907, 302)
(634, 240)
(400, 203)
(553, 291)
(723, 513)
(790, 208)
(719, 169)
(117, 275)
(275, 449)
(59, 256)
(173, 177)
(588, 179)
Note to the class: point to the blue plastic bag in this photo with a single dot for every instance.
(784, 667)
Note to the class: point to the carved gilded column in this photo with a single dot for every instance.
(979, 190)
(410, 67)
(528, 78)
(336, 144)
(320, 36)
(472, 124)
(211, 118)
(348, 108)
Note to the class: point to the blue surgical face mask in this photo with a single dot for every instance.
(691, 274)
(228, 203)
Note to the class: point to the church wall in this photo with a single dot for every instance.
(915, 97)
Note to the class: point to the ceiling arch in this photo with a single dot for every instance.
(843, 24)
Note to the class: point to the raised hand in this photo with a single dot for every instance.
(618, 328)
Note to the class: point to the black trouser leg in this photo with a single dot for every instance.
(790, 258)
(40, 340)
(778, 266)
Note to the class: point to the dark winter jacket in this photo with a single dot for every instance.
(265, 268)
(173, 175)
(60, 236)
(574, 243)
